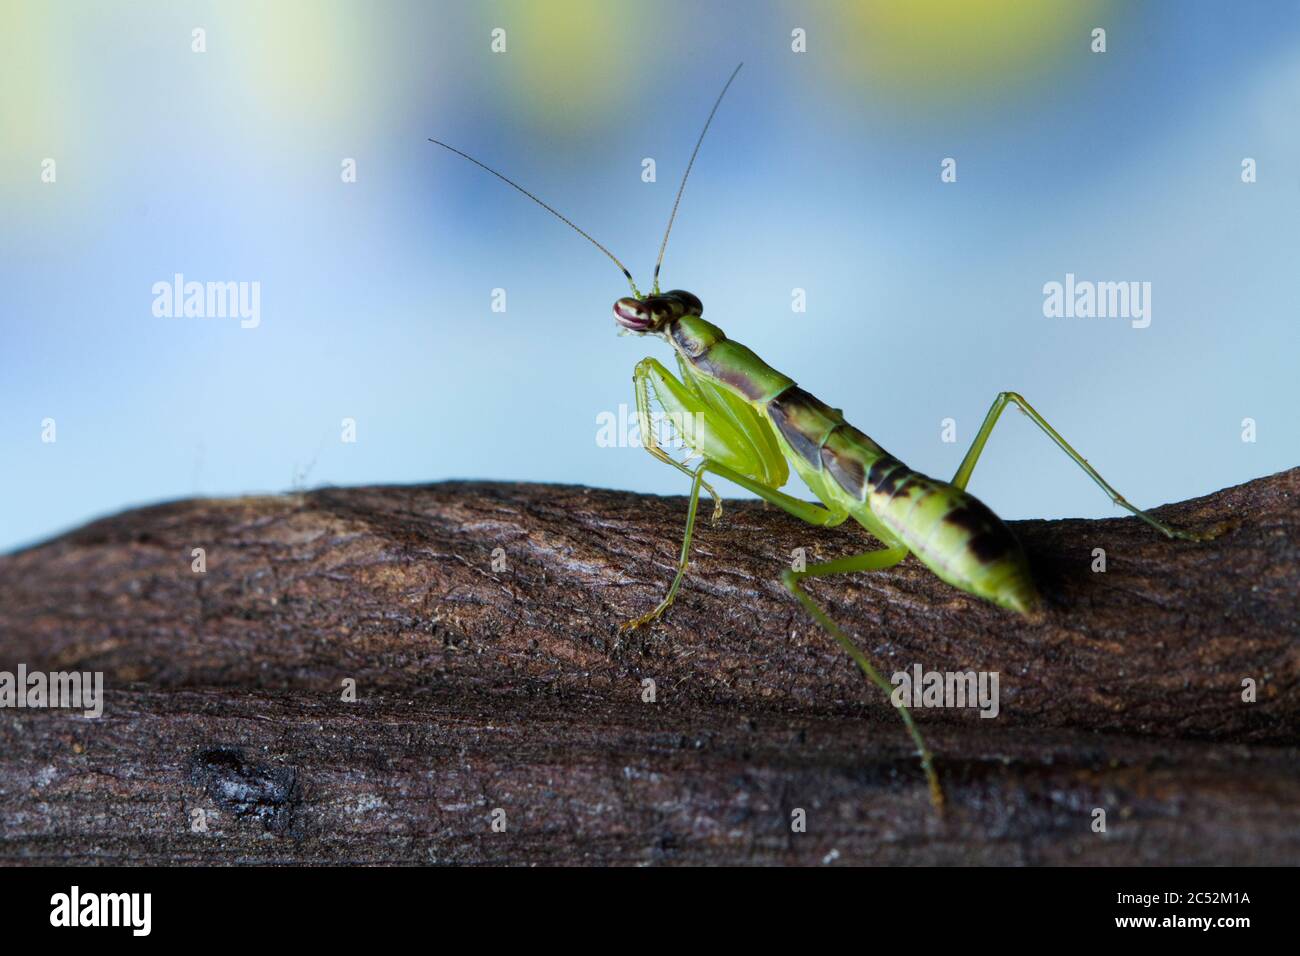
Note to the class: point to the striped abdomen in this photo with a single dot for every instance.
(953, 533)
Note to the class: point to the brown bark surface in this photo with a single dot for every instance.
(480, 689)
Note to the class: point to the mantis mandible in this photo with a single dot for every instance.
(751, 424)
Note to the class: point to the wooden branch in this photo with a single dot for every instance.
(480, 689)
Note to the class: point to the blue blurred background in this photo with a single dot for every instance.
(821, 172)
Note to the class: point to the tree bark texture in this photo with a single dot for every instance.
(479, 623)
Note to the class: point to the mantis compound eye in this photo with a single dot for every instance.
(632, 314)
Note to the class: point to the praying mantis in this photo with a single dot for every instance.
(751, 424)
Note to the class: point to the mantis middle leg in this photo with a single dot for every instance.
(878, 560)
(977, 446)
(868, 561)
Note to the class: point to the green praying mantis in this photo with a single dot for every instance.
(751, 424)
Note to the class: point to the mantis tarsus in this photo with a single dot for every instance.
(751, 424)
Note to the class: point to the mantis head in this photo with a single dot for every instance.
(654, 311)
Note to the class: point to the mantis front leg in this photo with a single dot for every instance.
(713, 436)
(650, 374)
(682, 561)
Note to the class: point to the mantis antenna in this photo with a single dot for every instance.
(552, 210)
(682, 188)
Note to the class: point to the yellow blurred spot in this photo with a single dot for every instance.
(950, 51)
(312, 67)
(570, 59)
(38, 87)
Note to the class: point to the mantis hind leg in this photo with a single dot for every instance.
(1012, 398)
(868, 561)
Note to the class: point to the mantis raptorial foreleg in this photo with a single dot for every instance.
(868, 561)
(702, 429)
(647, 373)
(977, 446)
(706, 430)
